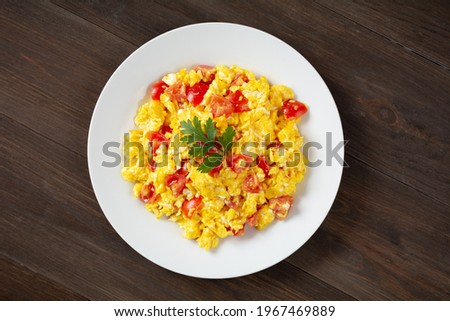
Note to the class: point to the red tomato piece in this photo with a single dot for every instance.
(165, 129)
(238, 232)
(235, 203)
(190, 207)
(157, 139)
(293, 109)
(215, 148)
(239, 162)
(156, 136)
(183, 168)
(239, 102)
(251, 184)
(158, 89)
(196, 93)
(276, 144)
(221, 106)
(251, 220)
(208, 73)
(263, 165)
(152, 165)
(239, 79)
(176, 182)
(177, 92)
(216, 171)
(212, 150)
(281, 206)
(148, 194)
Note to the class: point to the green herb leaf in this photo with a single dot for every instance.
(193, 129)
(226, 139)
(200, 143)
(199, 150)
(187, 138)
(210, 129)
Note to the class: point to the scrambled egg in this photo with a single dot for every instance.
(213, 206)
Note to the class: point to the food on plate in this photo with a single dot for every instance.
(221, 151)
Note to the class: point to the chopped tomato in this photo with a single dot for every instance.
(263, 165)
(239, 102)
(183, 168)
(239, 79)
(251, 184)
(239, 162)
(238, 232)
(281, 206)
(221, 106)
(177, 92)
(251, 220)
(196, 93)
(208, 73)
(190, 207)
(156, 139)
(216, 171)
(156, 136)
(212, 150)
(293, 109)
(165, 129)
(148, 194)
(152, 165)
(176, 182)
(158, 89)
(235, 203)
(276, 144)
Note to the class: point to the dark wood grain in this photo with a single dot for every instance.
(422, 27)
(387, 235)
(17, 282)
(70, 67)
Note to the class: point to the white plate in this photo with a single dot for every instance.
(161, 241)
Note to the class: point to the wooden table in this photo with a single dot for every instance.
(387, 66)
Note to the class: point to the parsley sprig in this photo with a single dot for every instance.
(203, 144)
